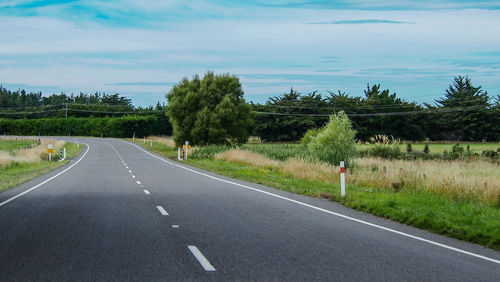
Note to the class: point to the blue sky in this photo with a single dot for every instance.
(141, 48)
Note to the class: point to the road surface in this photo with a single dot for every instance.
(120, 213)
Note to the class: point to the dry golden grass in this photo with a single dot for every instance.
(454, 179)
(169, 141)
(30, 155)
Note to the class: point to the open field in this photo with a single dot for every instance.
(9, 145)
(460, 199)
(22, 163)
(475, 147)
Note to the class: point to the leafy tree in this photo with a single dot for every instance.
(209, 110)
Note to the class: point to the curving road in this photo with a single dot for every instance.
(121, 213)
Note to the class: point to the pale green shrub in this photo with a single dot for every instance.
(335, 141)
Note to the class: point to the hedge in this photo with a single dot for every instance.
(124, 126)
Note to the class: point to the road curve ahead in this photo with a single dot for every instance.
(120, 213)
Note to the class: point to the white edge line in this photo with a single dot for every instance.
(40, 184)
(327, 211)
(201, 258)
(162, 210)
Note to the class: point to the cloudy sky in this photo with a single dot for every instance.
(140, 48)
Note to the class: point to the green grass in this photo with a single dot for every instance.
(280, 152)
(441, 147)
(10, 145)
(158, 148)
(475, 223)
(18, 173)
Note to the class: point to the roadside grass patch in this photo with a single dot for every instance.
(475, 223)
(16, 173)
(10, 145)
(459, 199)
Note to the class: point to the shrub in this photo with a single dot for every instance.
(335, 141)
(385, 151)
(457, 151)
(426, 149)
(309, 136)
(408, 148)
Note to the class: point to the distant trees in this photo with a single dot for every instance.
(284, 127)
(210, 110)
(464, 113)
(473, 121)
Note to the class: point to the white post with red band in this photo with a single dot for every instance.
(342, 179)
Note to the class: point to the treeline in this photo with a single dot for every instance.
(22, 99)
(125, 126)
(464, 113)
(20, 104)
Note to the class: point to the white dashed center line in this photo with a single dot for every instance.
(201, 258)
(162, 210)
(138, 182)
(133, 176)
(175, 226)
(147, 192)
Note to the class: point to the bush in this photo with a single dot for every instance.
(426, 149)
(408, 148)
(309, 135)
(385, 151)
(335, 141)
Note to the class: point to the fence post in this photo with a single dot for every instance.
(342, 178)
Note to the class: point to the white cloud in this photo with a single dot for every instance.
(90, 57)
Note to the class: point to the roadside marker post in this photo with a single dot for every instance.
(144, 139)
(342, 178)
(185, 148)
(50, 151)
(179, 153)
(150, 143)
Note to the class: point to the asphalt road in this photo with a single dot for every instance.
(119, 213)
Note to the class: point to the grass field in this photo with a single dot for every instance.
(441, 147)
(10, 145)
(18, 170)
(455, 198)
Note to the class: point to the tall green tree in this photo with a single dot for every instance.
(210, 110)
(292, 115)
(466, 111)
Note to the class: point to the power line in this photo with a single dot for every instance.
(428, 111)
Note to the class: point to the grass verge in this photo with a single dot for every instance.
(473, 222)
(18, 173)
